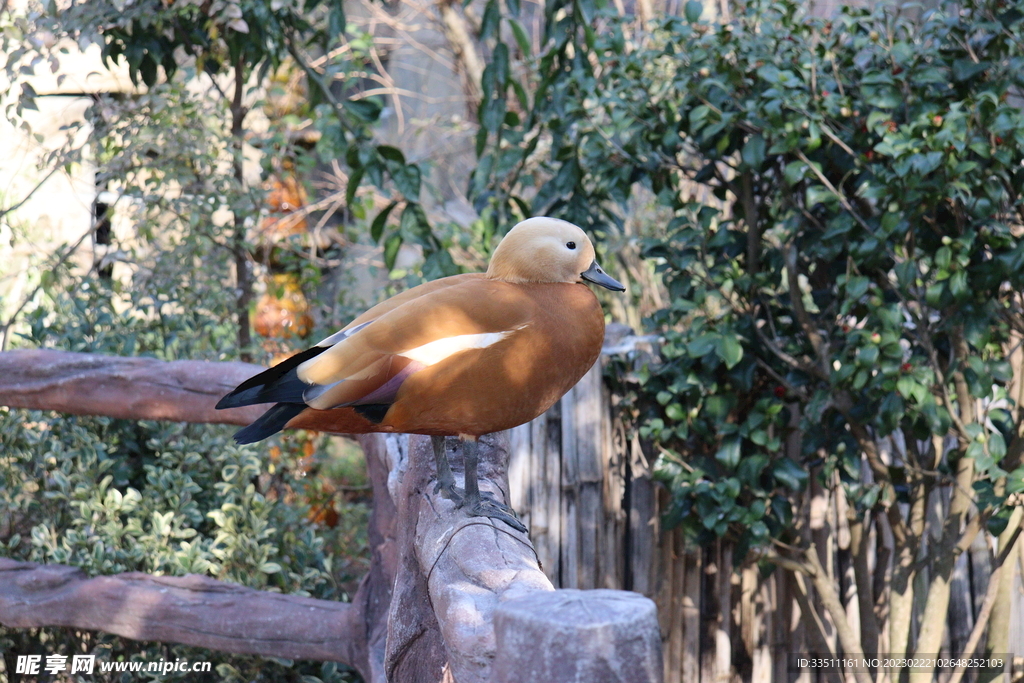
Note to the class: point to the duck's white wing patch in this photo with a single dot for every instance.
(439, 349)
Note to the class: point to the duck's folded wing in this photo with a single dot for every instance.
(366, 363)
(281, 384)
(369, 367)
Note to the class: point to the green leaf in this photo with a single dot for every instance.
(391, 154)
(958, 285)
(693, 11)
(499, 58)
(753, 152)
(391, 246)
(414, 226)
(867, 355)
(407, 180)
(789, 474)
(794, 172)
(703, 345)
(906, 273)
(1015, 481)
(964, 69)
(996, 446)
(336, 20)
(492, 114)
(976, 451)
(729, 453)
(377, 228)
(856, 287)
(907, 386)
(750, 468)
(354, 181)
(366, 110)
(729, 350)
(522, 38)
(489, 25)
(439, 264)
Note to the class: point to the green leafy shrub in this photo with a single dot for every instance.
(857, 249)
(112, 496)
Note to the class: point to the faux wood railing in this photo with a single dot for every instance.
(447, 597)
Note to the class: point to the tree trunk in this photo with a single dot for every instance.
(999, 621)
(933, 621)
(243, 270)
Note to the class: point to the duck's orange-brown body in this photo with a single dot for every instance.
(479, 391)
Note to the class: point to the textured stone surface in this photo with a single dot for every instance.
(573, 636)
(453, 571)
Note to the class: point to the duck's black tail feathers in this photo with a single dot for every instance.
(270, 422)
(280, 383)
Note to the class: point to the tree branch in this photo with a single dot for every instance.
(4, 212)
(457, 33)
(832, 188)
(796, 299)
(809, 368)
(192, 610)
(129, 388)
(988, 603)
(830, 599)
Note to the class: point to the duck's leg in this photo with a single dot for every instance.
(445, 478)
(487, 506)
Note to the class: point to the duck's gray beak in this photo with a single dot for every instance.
(599, 277)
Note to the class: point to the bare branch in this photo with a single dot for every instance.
(25, 301)
(457, 32)
(4, 212)
(832, 188)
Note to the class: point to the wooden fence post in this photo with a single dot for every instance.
(574, 636)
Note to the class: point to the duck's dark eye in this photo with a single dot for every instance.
(571, 245)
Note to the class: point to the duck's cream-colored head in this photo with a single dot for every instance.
(546, 249)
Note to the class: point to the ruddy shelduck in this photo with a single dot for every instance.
(461, 356)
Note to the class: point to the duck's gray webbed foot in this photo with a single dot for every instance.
(488, 507)
(485, 505)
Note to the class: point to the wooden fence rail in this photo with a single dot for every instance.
(426, 612)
